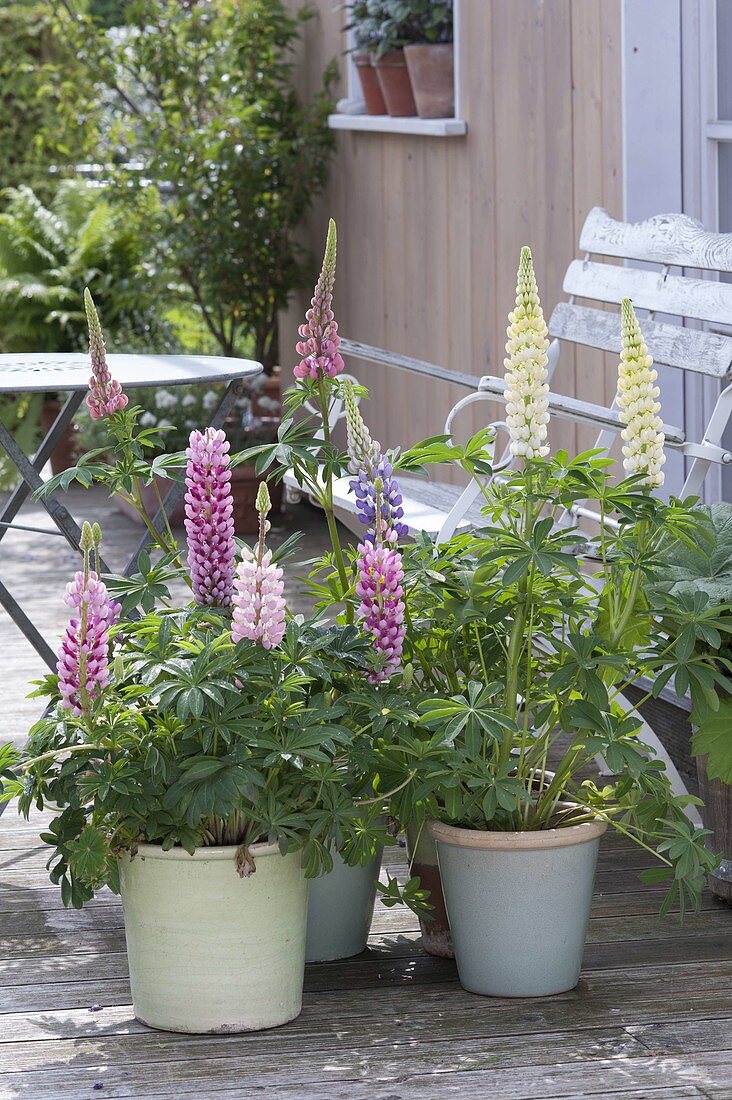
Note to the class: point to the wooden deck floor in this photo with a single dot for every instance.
(651, 1017)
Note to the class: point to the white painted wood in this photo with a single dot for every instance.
(707, 353)
(385, 124)
(369, 354)
(34, 372)
(698, 298)
(583, 412)
(672, 239)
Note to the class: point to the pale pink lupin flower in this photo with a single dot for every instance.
(105, 394)
(209, 520)
(258, 601)
(320, 341)
(83, 658)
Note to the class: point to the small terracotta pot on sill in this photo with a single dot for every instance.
(432, 73)
(372, 94)
(396, 85)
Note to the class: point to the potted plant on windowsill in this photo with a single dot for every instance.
(701, 574)
(395, 31)
(430, 58)
(365, 25)
(517, 843)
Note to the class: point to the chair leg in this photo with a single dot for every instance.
(713, 435)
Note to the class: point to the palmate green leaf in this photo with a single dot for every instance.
(712, 737)
(87, 856)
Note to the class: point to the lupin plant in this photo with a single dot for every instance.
(554, 633)
(223, 722)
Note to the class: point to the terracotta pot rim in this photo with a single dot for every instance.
(213, 853)
(429, 46)
(397, 60)
(519, 841)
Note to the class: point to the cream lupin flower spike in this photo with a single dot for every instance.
(527, 404)
(639, 409)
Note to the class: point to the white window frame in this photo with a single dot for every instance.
(351, 114)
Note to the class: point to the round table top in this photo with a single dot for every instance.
(32, 372)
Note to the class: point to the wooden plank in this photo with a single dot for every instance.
(672, 239)
(369, 354)
(691, 349)
(705, 301)
(675, 992)
(417, 1073)
(584, 411)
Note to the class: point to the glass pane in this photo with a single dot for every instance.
(724, 59)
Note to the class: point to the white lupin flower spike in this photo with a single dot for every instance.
(527, 403)
(637, 400)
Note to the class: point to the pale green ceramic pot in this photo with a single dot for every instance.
(340, 909)
(518, 905)
(210, 951)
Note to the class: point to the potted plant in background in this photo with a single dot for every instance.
(396, 30)
(173, 414)
(430, 58)
(698, 574)
(517, 825)
(366, 24)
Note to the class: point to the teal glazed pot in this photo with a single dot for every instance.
(340, 908)
(518, 905)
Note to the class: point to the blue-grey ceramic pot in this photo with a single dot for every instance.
(340, 908)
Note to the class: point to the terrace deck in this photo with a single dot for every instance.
(651, 1016)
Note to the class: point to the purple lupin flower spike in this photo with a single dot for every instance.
(105, 394)
(372, 470)
(259, 604)
(379, 587)
(209, 520)
(320, 341)
(83, 658)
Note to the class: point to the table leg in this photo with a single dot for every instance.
(17, 498)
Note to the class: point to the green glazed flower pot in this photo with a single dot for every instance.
(518, 905)
(210, 951)
(340, 908)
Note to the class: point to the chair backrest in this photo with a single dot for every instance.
(668, 240)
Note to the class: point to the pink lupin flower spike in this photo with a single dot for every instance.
(209, 523)
(259, 604)
(105, 394)
(83, 658)
(320, 341)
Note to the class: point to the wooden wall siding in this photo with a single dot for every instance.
(430, 228)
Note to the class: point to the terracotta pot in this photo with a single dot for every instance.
(435, 929)
(432, 72)
(244, 487)
(372, 94)
(717, 814)
(395, 84)
(66, 451)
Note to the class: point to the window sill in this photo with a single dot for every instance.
(385, 124)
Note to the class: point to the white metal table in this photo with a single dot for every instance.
(69, 372)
